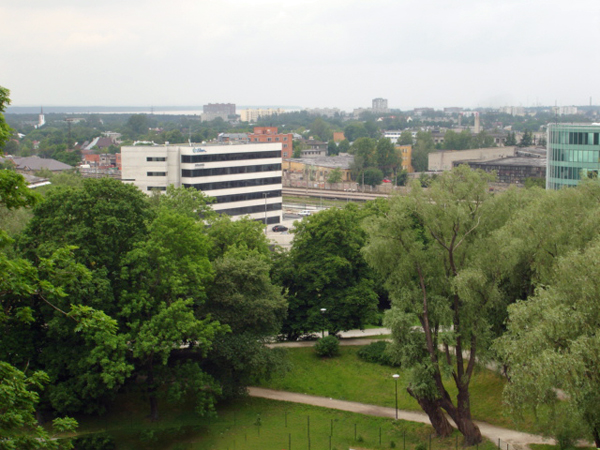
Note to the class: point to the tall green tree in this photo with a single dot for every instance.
(388, 158)
(325, 269)
(406, 138)
(5, 131)
(320, 130)
(332, 148)
(526, 139)
(103, 220)
(511, 139)
(18, 424)
(244, 298)
(424, 145)
(423, 249)
(552, 344)
(167, 275)
(354, 131)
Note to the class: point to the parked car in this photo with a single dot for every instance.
(279, 228)
(387, 180)
(304, 212)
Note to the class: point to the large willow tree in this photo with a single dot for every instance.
(426, 248)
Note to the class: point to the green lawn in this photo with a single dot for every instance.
(236, 429)
(349, 378)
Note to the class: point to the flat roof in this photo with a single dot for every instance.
(513, 161)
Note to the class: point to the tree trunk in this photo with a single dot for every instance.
(153, 406)
(596, 435)
(436, 416)
(462, 417)
(152, 396)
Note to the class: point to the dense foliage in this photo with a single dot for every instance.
(327, 347)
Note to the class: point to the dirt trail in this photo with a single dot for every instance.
(517, 439)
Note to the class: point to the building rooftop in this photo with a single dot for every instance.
(514, 161)
(35, 163)
(333, 162)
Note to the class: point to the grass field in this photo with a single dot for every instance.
(349, 378)
(236, 428)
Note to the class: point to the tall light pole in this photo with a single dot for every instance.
(323, 310)
(395, 377)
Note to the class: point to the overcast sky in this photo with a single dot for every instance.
(336, 53)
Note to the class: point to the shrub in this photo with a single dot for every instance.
(376, 353)
(328, 347)
(421, 446)
(98, 441)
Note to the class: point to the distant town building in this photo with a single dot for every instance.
(356, 113)
(441, 160)
(318, 169)
(513, 170)
(271, 134)
(41, 119)
(314, 149)
(32, 164)
(99, 143)
(380, 105)
(406, 153)
(422, 111)
(452, 110)
(225, 111)
(325, 112)
(232, 138)
(338, 136)
(565, 110)
(252, 115)
(245, 179)
(573, 154)
(513, 110)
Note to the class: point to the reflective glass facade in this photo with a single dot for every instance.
(573, 154)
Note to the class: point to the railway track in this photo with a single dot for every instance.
(339, 195)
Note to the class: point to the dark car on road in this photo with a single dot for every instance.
(279, 228)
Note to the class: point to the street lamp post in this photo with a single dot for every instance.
(395, 377)
(323, 310)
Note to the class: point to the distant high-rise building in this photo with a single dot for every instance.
(252, 115)
(572, 151)
(214, 110)
(380, 105)
(271, 134)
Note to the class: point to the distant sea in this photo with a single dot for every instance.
(158, 110)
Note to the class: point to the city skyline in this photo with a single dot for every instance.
(301, 53)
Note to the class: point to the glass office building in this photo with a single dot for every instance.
(573, 154)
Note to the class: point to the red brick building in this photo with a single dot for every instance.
(270, 134)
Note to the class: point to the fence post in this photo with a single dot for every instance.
(379, 435)
(354, 432)
(331, 432)
(308, 430)
(498, 443)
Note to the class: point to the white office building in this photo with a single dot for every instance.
(245, 179)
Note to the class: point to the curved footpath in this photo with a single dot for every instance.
(517, 439)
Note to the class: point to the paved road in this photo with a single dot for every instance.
(352, 337)
(517, 439)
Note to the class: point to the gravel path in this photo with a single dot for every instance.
(517, 439)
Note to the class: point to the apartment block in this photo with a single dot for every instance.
(244, 179)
